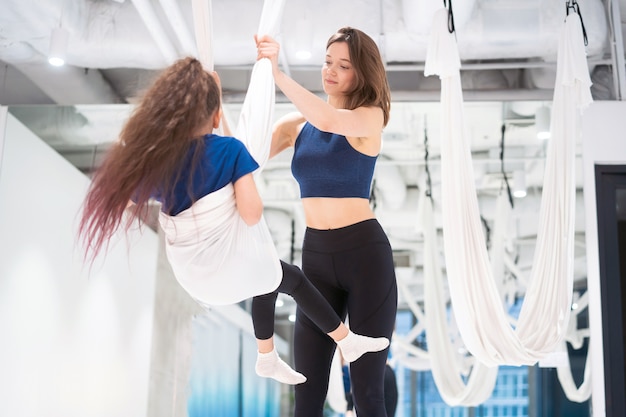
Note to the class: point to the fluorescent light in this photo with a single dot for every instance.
(58, 46)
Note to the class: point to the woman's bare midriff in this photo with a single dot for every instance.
(333, 213)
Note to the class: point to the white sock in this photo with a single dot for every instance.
(269, 365)
(353, 346)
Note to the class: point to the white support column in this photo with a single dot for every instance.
(603, 124)
(617, 50)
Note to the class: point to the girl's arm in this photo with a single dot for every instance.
(361, 122)
(248, 200)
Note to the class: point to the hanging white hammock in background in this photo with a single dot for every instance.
(576, 338)
(446, 369)
(448, 366)
(476, 301)
(442, 354)
(215, 256)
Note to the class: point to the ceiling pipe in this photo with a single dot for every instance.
(177, 22)
(149, 17)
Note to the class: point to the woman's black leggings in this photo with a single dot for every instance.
(308, 298)
(353, 269)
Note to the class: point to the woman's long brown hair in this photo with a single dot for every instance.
(152, 149)
(371, 87)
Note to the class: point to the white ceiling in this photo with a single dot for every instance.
(508, 46)
(508, 49)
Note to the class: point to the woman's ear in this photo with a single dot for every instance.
(217, 117)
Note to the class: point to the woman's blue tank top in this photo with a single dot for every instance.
(326, 165)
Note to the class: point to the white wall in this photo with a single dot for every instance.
(74, 343)
(604, 142)
(3, 121)
(196, 368)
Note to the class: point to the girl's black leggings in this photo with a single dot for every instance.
(308, 298)
(353, 269)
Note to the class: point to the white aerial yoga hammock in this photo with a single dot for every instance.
(476, 302)
(216, 257)
(444, 359)
(336, 394)
(576, 338)
(447, 365)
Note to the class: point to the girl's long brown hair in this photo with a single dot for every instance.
(371, 87)
(151, 151)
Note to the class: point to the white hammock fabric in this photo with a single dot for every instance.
(215, 256)
(564, 373)
(576, 338)
(446, 369)
(476, 302)
(336, 395)
(442, 359)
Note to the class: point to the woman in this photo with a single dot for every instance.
(206, 188)
(346, 254)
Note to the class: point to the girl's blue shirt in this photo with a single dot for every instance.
(224, 161)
